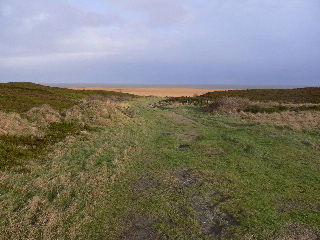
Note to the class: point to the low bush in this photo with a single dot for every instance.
(231, 104)
(265, 109)
(43, 115)
(13, 124)
(295, 120)
(295, 116)
(95, 113)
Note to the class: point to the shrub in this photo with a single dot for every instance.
(13, 124)
(295, 120)
(43, 115)
(229, 104)
(95, 113)
(266, 109)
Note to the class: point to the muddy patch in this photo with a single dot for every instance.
(145, 185)
(214, 222)
(311, 144)
(180, 118)
(141, 228)
(184, 147)
(297, 205)
(189, 137)
(300, 232)
(187, 177)
(214, 151)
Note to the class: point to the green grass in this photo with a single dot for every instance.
(270, 173)
(174, 173)
(15, 150)
(22, 96)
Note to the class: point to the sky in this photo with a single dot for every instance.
(252, 42)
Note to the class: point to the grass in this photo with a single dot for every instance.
(298, 95)
(16, 149)
(280, 108)
(21, 96)
(169, 173)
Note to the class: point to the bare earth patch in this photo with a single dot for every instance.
(213, 221)
(141, 229)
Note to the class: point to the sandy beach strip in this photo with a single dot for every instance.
(158, 92)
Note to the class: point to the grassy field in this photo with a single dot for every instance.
(169, 172)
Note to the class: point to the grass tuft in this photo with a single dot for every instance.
(14, 150)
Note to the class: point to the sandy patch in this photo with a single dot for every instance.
(159, 92)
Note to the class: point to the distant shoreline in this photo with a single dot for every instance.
(157, 92)
(191, 86)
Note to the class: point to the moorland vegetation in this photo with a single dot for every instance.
(104, 165)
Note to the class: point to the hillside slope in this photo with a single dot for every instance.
(169, 173)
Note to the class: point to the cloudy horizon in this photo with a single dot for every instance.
(251, 42)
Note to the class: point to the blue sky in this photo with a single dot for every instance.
(161, 41)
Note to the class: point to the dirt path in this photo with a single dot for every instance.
(181, 181)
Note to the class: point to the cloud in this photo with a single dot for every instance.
(160, 40)
(37, 27)
(160, 13)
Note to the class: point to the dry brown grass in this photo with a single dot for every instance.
(90, 112)
(294, 120)
(96, 113)
(57, 198)
(14, 124)
(228, 105)
(237, 104)
(43, 115)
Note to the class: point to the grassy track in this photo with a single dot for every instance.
(174, 173)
